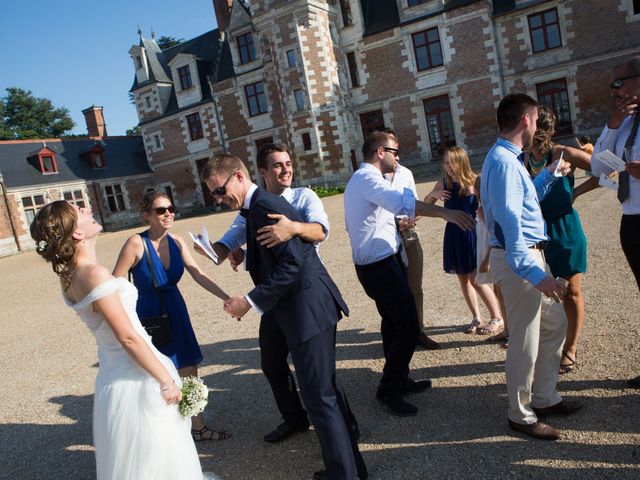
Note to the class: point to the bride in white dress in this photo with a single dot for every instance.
(137, 430)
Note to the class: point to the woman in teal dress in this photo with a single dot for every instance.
(566, 251)
(170, 257)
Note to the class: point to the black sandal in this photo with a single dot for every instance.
(568, 367)
(207, 434)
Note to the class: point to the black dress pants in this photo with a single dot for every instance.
(386, 283)
(630, 241)
(273, 358)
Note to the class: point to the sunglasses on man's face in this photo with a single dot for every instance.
(618, 83)
(219, 191)
(163, 210)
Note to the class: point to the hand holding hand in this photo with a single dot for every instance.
(405, 224)
(237, 306)
(272, 235)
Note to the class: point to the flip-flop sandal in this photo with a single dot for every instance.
(473, 326)
(492, 327)
(568, 367)
(499, 337)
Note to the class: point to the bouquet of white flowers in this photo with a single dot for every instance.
(194, 396)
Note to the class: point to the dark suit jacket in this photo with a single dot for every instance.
(293, 288)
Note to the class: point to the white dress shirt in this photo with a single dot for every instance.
(614, 139)
(403, 178)
(370, 205)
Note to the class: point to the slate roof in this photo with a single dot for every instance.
(381, 15)
(213, 60)
(124, 156)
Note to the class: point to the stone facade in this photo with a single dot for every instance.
(433, 72)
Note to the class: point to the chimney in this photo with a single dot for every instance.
(95, 121)
(222, 9)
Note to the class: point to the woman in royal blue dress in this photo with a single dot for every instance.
(169, 258)
(459, 246)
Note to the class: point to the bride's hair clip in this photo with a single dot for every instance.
(56, 235)
(41, 246)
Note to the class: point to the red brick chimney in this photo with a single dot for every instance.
(95, 121)
(222, 9)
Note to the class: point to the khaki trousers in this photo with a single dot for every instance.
(413, 250)
(535, 341)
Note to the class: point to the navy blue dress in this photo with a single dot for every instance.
(459, 246)
(183, 349)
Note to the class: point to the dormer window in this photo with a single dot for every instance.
(246, 49)
(48, 164)
(95, 155)
(138, 61)
(185, 77)
(45, 160)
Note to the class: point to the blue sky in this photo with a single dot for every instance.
(74, 52)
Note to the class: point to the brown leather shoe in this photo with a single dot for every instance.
(428, 343)
(564, 407)
(536, 430)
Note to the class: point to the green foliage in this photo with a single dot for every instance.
(134, 131)
(24, 117)
(168, 42)
(327, 191)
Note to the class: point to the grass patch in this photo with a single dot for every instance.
(328, 191)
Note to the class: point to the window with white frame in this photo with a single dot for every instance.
(256, 98)
(156, 139)
(195, 126)
(31, 204)
(427, 49)
(74, 196)
(185, 77)
(115, 197)
(544, 29)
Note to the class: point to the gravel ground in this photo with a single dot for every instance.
(48, 366)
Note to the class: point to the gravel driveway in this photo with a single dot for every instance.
(48, 366)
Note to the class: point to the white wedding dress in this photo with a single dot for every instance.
(137, 436)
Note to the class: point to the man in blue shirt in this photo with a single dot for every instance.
(518, 235)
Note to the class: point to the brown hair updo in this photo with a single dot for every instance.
(545, 128)
(52, 230)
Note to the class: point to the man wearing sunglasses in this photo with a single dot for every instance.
(619, 136)
(276, 169)
(371, 204)
(295, 296)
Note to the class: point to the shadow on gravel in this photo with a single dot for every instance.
(51, 451)
(453, 422)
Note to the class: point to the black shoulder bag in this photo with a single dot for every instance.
(158, 326)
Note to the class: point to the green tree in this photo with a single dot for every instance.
(168, 42)
(134, 131)
(23, 117)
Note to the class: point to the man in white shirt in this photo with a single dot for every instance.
(621, 132)
(371, 204)
(400, 179)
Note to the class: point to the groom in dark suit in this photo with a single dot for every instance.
(294, 292)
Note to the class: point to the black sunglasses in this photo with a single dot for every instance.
(163, 210)
(619, 82)
(219, 191)
(395, 151)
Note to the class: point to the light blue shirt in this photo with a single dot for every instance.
(304, 200)
(370, 207)
(511, 203)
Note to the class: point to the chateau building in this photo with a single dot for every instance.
(107, 174)
(320, 74)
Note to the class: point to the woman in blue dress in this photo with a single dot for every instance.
(459, 246)
(566, 251)
(169, 257)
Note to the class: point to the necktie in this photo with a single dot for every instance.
(623, 177)
(244, 212)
